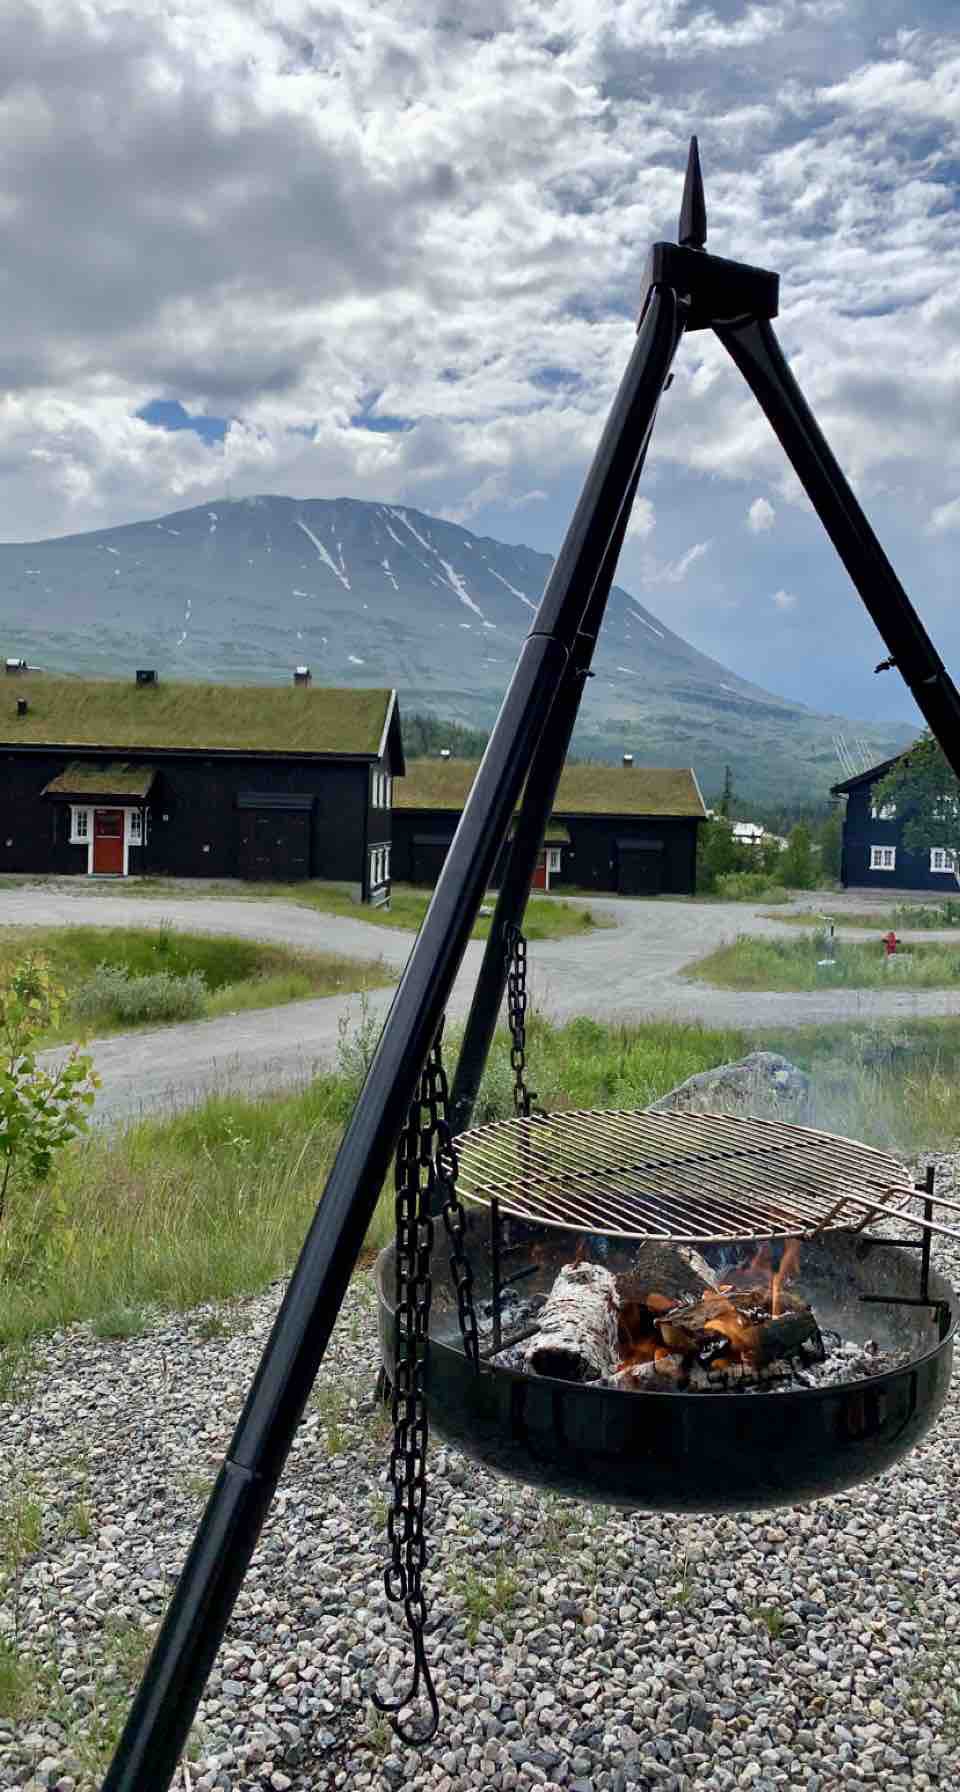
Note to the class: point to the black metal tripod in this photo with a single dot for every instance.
(684, 289)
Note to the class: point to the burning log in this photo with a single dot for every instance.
(739, 1326)
(576, 1338)
(663, 1276)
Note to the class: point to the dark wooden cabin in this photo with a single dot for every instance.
(873, 855)
(627, 828)
(111, 778)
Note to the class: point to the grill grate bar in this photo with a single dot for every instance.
(688, 1177)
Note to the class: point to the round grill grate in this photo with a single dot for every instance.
(686, 1177)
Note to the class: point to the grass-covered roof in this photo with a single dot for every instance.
(118, 713)
(102, 780)
(584, 789)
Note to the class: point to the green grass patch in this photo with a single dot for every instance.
(118, 978)
(215, 1203)
(795, 964)
(922, 917)
(547, 917)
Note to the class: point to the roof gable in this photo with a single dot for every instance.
(868, 777)
(583, 790)
(86, 712)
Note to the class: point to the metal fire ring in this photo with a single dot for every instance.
(682, 1177)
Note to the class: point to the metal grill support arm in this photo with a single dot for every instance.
(190, 1635)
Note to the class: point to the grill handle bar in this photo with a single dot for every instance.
(925, 1222)
(752, 344)
(172, 1684)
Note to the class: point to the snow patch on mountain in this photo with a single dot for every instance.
(524, 599)
(327, 558)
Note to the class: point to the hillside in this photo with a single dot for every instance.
(369, 594)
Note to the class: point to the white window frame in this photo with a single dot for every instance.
(885, 812)
(553, 858)
(883, 858)
(387, 790)
(81, 826)
(134, 827)
(386, 864)
(943, 859)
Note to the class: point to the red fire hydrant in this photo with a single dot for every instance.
(890, 943)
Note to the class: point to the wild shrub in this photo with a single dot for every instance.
(113, 996)
(749, 886)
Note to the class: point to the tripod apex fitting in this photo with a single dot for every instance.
(692, 232)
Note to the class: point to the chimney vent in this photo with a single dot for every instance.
(628, 758)
(146, 675)
(302, 675)
(22, 706)
(444, 752)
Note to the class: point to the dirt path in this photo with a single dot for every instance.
(633, 971)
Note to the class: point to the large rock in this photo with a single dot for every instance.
(762, 1083)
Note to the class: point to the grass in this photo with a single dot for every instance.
(486, 1592)
(214, 1203)
(922, 917)
(547, 917)
(793, 964)
(272, 718)
(238, 974)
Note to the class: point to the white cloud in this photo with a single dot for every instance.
(676, 571)
(760, 516)
(945, 517)
(643, 520)
(784, 600)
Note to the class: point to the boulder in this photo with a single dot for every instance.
(762, 1083)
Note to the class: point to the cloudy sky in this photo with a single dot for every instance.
(392, 249)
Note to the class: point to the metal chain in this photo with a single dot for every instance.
(426, 1169)
(516, 957)
(414, 1180)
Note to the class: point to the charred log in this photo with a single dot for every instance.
(662, 1277)
(577, 1335)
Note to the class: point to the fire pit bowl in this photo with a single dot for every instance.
(696, 1452)
(684, 1451)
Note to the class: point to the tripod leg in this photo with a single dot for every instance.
(754, 347)
(190, 1635)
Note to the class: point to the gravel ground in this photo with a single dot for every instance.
(574, 1647)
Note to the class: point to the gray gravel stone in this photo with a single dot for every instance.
(812, 1650)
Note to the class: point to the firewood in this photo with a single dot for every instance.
(576, 1339)
(661, 1276)
(741, 1323)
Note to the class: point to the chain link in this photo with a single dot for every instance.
(516, 959)
(414, 1181)
(425, 1176)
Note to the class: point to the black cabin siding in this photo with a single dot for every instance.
(194, 827)
(591, 861)
(860, 832)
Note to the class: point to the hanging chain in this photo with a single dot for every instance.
(516, 957)
(426, 1167)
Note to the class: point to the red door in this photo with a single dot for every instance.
(540, 871)
(108, 842)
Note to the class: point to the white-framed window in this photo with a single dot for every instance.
(943, 859)
(883, 858)
(135, 827)
(378, 860)
(553, 858)
(79, 826)
(883, 811)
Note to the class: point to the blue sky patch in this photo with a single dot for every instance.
(168, 413)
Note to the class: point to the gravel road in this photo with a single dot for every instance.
(632, 971)
(575, 1647)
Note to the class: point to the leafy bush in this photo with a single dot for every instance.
(113, 995)
(749, 886)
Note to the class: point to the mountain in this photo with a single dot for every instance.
(380, 593)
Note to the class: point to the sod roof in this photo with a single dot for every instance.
(85, 712)
(102, 780)
(584, 789)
